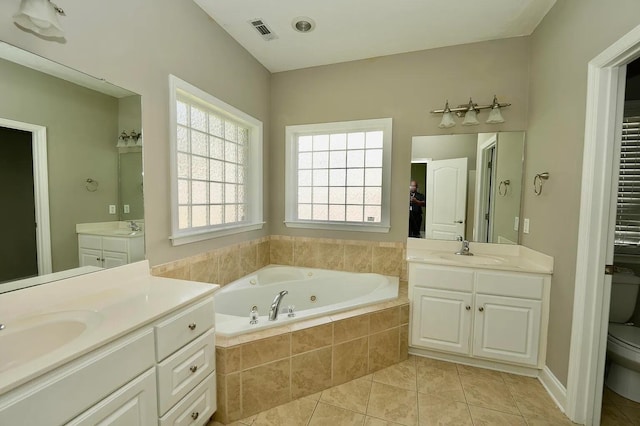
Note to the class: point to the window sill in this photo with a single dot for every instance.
(192, 237)
(338, 226)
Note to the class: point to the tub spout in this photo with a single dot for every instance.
(275, 305)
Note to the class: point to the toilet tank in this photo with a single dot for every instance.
(624, 292)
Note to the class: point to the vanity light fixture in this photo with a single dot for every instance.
(126, 140)
(41, 17)
(447, 118)
(470, 112)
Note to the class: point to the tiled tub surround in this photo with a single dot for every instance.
(261, 370)
(224, 265)
(311, 292)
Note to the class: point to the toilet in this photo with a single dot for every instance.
(623, 342)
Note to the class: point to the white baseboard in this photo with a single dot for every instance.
(556, 390)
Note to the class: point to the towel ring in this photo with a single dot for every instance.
(506, 184)
(91, 185)
(538, 182)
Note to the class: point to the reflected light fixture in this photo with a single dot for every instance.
(470, 117)
(41, 17)
(447, 118)
(495, 116)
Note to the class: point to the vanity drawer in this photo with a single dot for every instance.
(441, 277)
(90, 241)
(181, 328)
(196, 407)
(179, 374)
(510, 284)
(115, 244)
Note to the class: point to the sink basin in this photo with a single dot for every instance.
(126, 232)
(472, 260)
(28, 338)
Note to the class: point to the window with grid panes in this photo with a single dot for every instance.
(212, 166)
(337, 175)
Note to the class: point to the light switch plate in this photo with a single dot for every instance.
(525, 227)
(127, 209)
(112, 209)
(516, 223)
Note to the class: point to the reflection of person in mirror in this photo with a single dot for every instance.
(416, 203)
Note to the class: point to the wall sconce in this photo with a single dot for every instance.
(40, 16)
(470, 112)
(126, 140)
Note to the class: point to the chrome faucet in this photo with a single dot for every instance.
(275, 305)
(134, 226)
(464, 249)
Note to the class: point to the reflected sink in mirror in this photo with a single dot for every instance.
(126, 232)
(472, 260)
(28, 338)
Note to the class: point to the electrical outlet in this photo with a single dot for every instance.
(525, 228)
(516, 224)
(127, 209)
(112, 209)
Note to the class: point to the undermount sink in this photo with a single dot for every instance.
(28, 338)
(126, 232)
(473, 260)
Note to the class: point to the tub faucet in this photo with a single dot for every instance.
(275, 305)
(464, 249)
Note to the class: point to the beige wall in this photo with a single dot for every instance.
(136, 45)
(508, 167)
(405, 87)
(82, 127)
(573, 33)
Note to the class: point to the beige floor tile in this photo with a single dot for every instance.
(393, 404)
(402, 375)
(441, 411)
(538, 405)
(249, 420)
(613, 416)
(372, 421)
(430, 363)
(326, 415)
(466, 370)
(487, 417)
(438, 380)
(549, 422)
(488, 393)
(353, 395)
(632, 413)
(294, 413)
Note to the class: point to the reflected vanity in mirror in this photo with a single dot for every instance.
(74, 186)
(472, 186)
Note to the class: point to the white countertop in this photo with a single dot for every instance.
(119, 301)
(502, 257)
(47, 278)
(111, 229)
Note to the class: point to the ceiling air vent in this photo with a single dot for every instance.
(262, 28)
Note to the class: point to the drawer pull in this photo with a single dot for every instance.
(193, 368)
(195, 415)
(468, 308)
(481, 309)
(192, 326)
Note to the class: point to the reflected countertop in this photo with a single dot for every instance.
(111, 229)
(119, 301)
(502, 257)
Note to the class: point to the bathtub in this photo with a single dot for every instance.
(313, 292)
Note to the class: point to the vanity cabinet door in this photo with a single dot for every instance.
(113, 259)
(441, 320)
(507, 329)
(90, 257)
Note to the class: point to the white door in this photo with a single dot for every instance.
(90, 257)
(507, 329)
(112, 259)
(446, 197)
(441, 320)
(132, 405)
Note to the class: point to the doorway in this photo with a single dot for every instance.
(596, 236)
(487, 152)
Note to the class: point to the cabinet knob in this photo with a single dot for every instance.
(193, 368)
(98, 259)
(481, 309)
(192, 326)
(468, 308)
(195, 415)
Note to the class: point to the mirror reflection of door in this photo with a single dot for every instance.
(446, 199)
(18, 254)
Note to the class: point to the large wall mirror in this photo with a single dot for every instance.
(467, 186)
(70, 172)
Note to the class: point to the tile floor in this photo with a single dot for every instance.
(617, 410)
(421, 391)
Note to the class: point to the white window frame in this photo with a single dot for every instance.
(254, 165)
(291, 173)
